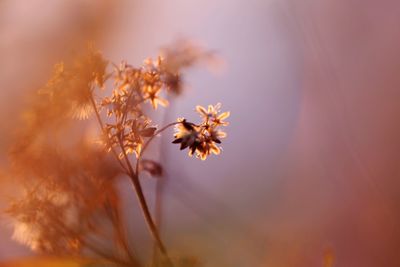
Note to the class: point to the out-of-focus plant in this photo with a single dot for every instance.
(69, 201)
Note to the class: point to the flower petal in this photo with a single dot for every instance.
(224, 115)
(201, 110)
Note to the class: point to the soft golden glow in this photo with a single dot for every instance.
(68, 181)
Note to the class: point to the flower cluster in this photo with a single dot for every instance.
(150, 83)
(202, 139)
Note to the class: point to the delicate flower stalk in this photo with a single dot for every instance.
(140, 195)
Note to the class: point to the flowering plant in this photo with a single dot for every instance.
(69, 180)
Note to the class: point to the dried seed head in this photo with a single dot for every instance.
(202, 139)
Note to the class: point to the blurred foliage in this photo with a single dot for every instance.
(45, 262)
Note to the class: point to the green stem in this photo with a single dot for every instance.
(104, 132)
(143, 204)
(134, 177)
(149, 141)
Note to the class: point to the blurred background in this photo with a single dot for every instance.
(310, 169)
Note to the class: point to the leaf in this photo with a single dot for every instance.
(148, 132)
(177, 141)
(154, 168)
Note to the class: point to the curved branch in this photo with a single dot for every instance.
(149, 141)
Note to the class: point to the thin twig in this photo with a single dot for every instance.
(160, 186)
(137, 186)
(137, 170)
(149, 141)
(119, 227)
(143, 204)
(104, 132)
